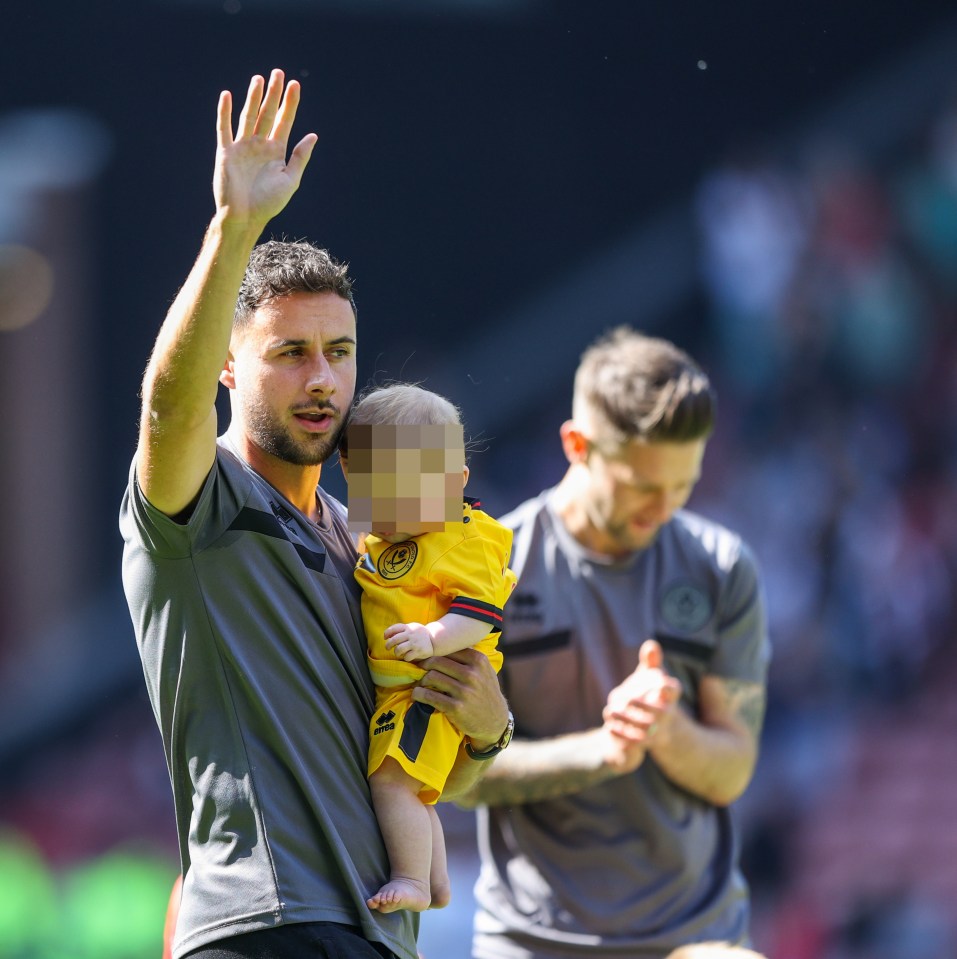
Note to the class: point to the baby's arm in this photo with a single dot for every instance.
(412, 641)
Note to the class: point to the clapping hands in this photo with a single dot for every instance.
(639, 710)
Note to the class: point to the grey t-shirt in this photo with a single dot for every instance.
(635, 866)
(248, 624)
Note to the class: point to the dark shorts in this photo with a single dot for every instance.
(300, 940)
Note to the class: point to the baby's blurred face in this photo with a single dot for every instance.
(405, 479)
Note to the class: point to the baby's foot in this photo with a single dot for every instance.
(441, 895)
(401, 894)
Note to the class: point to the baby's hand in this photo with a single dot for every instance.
(409, 641)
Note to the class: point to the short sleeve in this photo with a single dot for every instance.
(143, 524)
(743, 649)
(474, 574)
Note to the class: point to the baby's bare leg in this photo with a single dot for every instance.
(407, 830)
(439, 874)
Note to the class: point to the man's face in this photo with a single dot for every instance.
(632, 490)
(405, 479)
(294, 375)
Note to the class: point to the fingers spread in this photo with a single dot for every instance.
(270, 104)
(224, 119)
(300, 155)
(286, 113)
(250, 111)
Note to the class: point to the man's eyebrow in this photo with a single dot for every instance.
(338, 341)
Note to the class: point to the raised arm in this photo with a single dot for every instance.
(253, 181)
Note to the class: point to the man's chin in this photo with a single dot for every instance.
(639, 537)
(314, 451)
(317, 457)
(301, 454)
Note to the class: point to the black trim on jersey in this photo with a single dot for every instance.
(414, 729)
(256, 521)
(685, 646)
(537, 644)
(476, 609)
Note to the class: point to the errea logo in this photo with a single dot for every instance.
(384, 723)
(525, 608)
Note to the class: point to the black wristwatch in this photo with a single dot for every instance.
(495, 749)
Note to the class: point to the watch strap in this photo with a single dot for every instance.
(497, 747)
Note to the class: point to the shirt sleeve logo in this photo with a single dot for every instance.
(397, 560)
(686, 608)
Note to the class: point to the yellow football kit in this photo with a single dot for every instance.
(463, 570)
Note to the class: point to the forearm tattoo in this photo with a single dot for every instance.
(747, 702)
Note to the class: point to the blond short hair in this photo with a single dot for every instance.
(630, 386)
(404, 404)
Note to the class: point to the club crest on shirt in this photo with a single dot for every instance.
(686, 608)
(397, 560)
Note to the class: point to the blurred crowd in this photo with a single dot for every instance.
(833, 299)
(829, 295)
(831, 286)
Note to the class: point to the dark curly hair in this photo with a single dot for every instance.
(280, 267)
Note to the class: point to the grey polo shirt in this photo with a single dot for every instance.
(247, 621)
(635, 866)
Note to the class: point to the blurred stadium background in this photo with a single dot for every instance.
(775, 189)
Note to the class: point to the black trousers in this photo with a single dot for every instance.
(299, 940)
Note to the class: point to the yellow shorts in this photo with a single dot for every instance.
(419, 738)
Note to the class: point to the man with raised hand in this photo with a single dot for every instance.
(238, 573)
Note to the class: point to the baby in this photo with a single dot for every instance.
(433, 569)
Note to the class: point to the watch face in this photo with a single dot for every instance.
(507, 735)
(504, 740)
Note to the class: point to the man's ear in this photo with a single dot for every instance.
(574, 442)
(465, 476)
(227, 377)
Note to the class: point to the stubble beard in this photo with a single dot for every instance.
(627, 540)
(273, 438)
